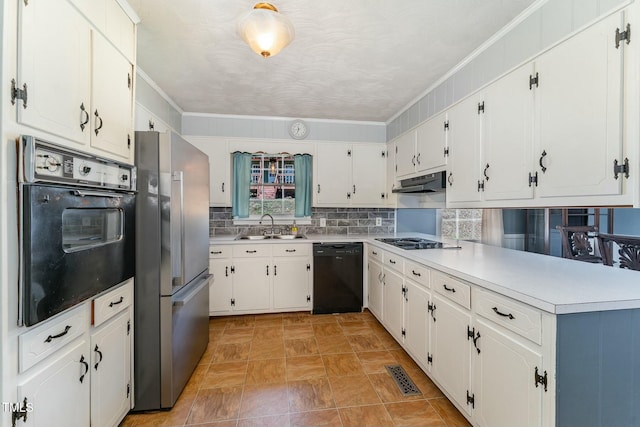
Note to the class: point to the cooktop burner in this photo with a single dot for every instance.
(411, 243)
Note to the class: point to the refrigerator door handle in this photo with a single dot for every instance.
(178, 176)
(197, 288)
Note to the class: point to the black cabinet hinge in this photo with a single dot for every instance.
(129, 141)
(308, 298)
(432, 309)
(623, 35)
(128, 389)
(384, 154)
(540, 379)
(471, 399)
(480, 185)
(348, 153)
(129, 80)
(404, 332)
(621, 168)
(308, 267)
(152, 125)
(17, 93)
(430, 358)
(128, 327)
(446, 125)
(533, 179)
(481, 107)
(233, 269)
(534, 80)
(233, 302)
(446, 151)
(20, 413)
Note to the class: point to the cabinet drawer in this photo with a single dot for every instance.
(513, 315)
(393, 261)
(113, 302)
(251, 251)
(291, 249)
(417, 273)
(452, 288)
(43, 340)
(221, 251)
(375, 253)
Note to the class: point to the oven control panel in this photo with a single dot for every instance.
(45, 162)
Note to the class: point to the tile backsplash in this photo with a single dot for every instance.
(339, 221)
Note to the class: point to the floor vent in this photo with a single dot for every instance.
(404, 383)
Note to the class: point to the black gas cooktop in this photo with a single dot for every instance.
(411, 243)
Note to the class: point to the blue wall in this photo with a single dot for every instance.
(418, 220)
(626, 221)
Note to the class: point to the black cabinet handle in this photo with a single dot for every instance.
(61, 334)
(290, 250)
(416, 274)
(450, 179)
(542, 156)
(392, 261)
(226, 271)
(251, 252)
(223, 187)
(98, 127)
(486, 177)
(216, 252)
(116, 302)
(509, 315)
(99, 360)
(446, 288)
(267, 270)
(86, 367)
(374, 252)
(275, 270)
(83, 111)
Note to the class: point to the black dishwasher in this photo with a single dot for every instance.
(337, 278)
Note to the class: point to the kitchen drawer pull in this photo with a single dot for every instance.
(392, 261)
(216, 252)
(86, 367)
(86, 116)
(374, 252)
(251, 252)
(290, 250)
(446, 288)
(509, 315)
(116, 302)
(61, 334)
(96, 350)
(223, 187)
(98, 126)
(415, 274)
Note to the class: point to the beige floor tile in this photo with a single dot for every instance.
(418, 413)
(327, 329)
(388, 341)
(375, 361)
(352, 317)
(242, 321)
(451, 416)
(427, 387)
(305, 367)
(353, 391)
(388, 390)
(404, 360)
(208, 354)
(196, 378)
(262, 322)
(214, 404)
(356, 328)
(236, 335)
(365, 416)
(333, 344)
(269, 421)
(302, 330)
(368, 342)
(324, 318)
(231, 352)
(310, 395)
(264, 399)
(224, 423)
(225, 375)
(268, 333)
(323, 418)
(301, 347)
(272, 349)
(266, 371)
(342, 364)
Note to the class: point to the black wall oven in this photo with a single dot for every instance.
(77, 227)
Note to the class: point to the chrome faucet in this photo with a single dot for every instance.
(271, 221)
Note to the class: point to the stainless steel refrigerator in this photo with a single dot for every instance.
(171, 307)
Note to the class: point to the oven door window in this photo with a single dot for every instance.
(89, 228)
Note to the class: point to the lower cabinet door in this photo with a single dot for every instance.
(251, 284)
(451, 350)
(59, 393)
(111, 371)
(416, 321)
(393, 303)
(291, 283)
(374, 282)
(504, 391)
(220, 289)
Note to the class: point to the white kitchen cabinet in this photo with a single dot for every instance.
(376, 289)
(64, 99)
(219, 168)
(59, 389)
(431, 144)
(416, 321)
(252, 284)
(111, 100)
(579, 113)
(292, 282)
(350, 174)
(508, 137)
(464, 144)
(111, 371)
(504, 390)
(451, 353)
(393, 303)
(405, 154)
(221, 287)
(146, 121)
(391, 197)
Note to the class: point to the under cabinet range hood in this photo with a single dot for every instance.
(430, 183)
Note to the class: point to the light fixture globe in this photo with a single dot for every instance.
(265, 30)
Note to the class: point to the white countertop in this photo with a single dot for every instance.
(552, 284)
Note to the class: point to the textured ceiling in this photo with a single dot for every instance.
(350, 59)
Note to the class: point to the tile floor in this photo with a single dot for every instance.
(295, 369)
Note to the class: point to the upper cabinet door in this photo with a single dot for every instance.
(332, 168)
(112, 100)
(369, 174)
(55, 69)
(508, 137)
(579, 102)
(431, 145)
(406, 154)
(464, 150)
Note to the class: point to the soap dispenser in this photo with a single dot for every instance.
(294, 228)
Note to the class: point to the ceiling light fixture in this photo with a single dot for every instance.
(265, 30)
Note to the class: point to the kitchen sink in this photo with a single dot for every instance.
(270, 236)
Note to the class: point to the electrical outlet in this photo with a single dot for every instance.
(323, 222)
(378, 222)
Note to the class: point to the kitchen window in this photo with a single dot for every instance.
(275, 184)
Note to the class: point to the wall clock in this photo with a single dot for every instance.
(298, 129)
